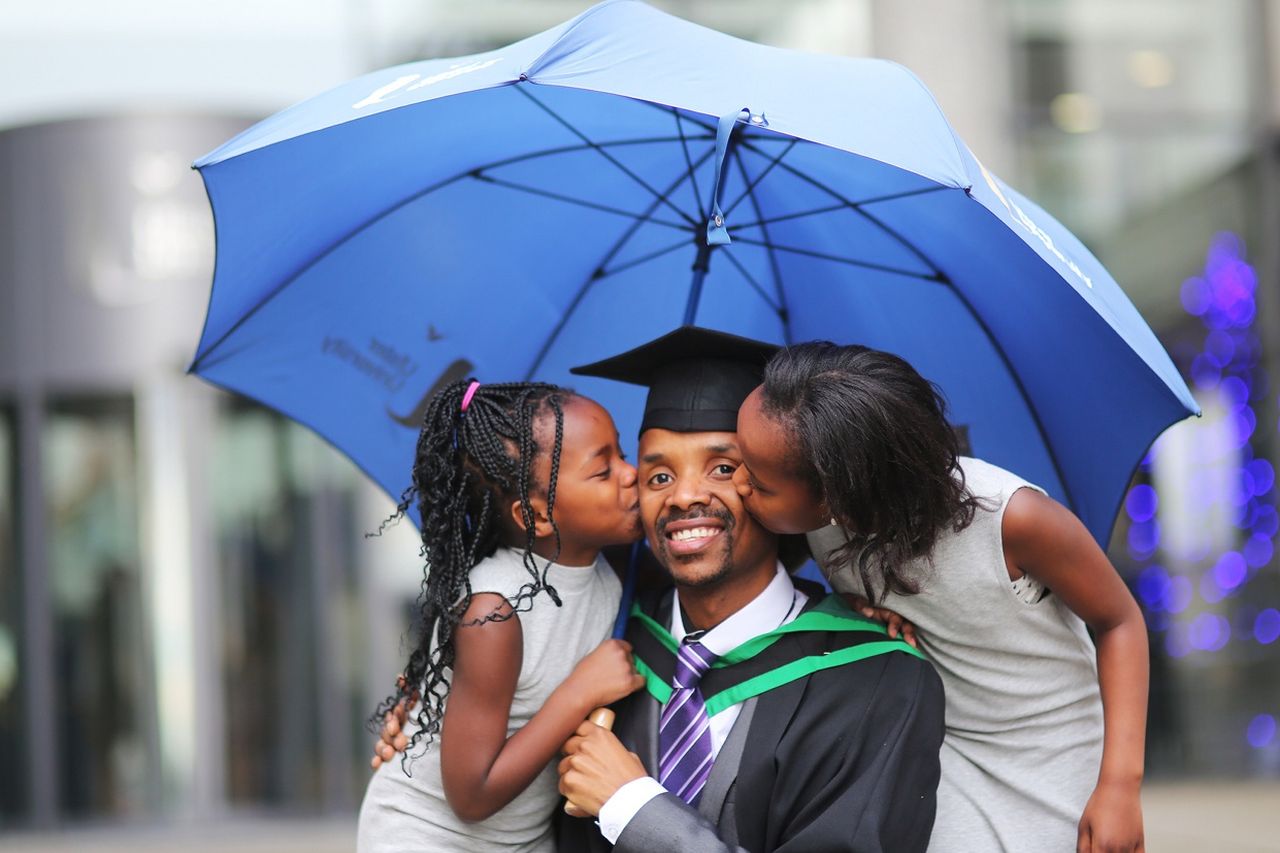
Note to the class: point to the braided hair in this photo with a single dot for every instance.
(467, 467)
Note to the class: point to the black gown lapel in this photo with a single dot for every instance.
(756, 802)
(640, 712)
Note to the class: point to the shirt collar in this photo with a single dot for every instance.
(763, 613)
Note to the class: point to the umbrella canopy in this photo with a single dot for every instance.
(514, 213)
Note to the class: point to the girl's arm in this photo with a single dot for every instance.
(483, 769)
(893, 621)
(1045, 540)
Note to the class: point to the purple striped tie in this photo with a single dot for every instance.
(684, 729)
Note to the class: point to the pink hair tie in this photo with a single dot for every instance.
(471, 392)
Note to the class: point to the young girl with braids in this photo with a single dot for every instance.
(1044, 737)
(519, 486)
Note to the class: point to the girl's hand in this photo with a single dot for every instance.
(605, 676)
(392, 739)
(893, 621)
(1112, 820)
(595, 766)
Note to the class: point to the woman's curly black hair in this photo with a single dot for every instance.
(872, 440)
(467, 467)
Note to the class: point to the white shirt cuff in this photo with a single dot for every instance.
(619, 809)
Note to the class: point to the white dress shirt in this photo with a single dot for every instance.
(778, 604)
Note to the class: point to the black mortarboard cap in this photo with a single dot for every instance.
(697, 378)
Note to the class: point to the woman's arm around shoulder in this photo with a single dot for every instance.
(1045, 540)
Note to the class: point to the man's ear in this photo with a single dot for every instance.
(541, 523)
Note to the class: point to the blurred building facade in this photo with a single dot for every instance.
(192, 622)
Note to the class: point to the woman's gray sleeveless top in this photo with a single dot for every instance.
(1024, 714)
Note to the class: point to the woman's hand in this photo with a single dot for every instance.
(893, 621)
(1112, 820)
(605, 676)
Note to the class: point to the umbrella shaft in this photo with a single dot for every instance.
(701, 264)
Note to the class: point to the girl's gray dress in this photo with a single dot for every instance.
(1024, 713)
(410, 813)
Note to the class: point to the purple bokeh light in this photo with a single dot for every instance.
(1204, 373)
(1153, 587)
(1227, 364)
(1144, 539)
(1263, 474)
(1243, 423)
(1257, 551)
(1179, 596)
(1196, 296)
(1209, 632)
(1231, 570)
(1266, 522)
(1266, 626)
(1210, 590)
(1261, 731)
(1142, 502)
(1233, 388)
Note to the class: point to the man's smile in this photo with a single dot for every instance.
(689, 536)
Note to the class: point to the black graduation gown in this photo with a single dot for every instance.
(842, 759)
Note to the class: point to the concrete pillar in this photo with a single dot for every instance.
(961, 50)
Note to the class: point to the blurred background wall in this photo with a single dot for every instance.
(193, 626)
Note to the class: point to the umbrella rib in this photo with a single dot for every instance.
(662, 199)
(785, 217)
(479, 175)
(902, 241)
(1022, 391)
(904, 194)
(854, 205)
(755, 285)
(202, 360)
(597, 274)
(795, 250)
(751, 186)
(843, 202)
(635, 262)
(783, 313)
(939, 277)
(839, 206)
(710, 128)
(569, 149)
(693, 179)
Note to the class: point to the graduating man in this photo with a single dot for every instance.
(775, 719)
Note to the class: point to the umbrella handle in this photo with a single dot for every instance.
(603, 718)
(628, 592)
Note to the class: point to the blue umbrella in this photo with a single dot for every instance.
(514, 213)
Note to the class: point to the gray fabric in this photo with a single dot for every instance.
(725, 772)
(403, 813)
(667, 825)
(1023, 710)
